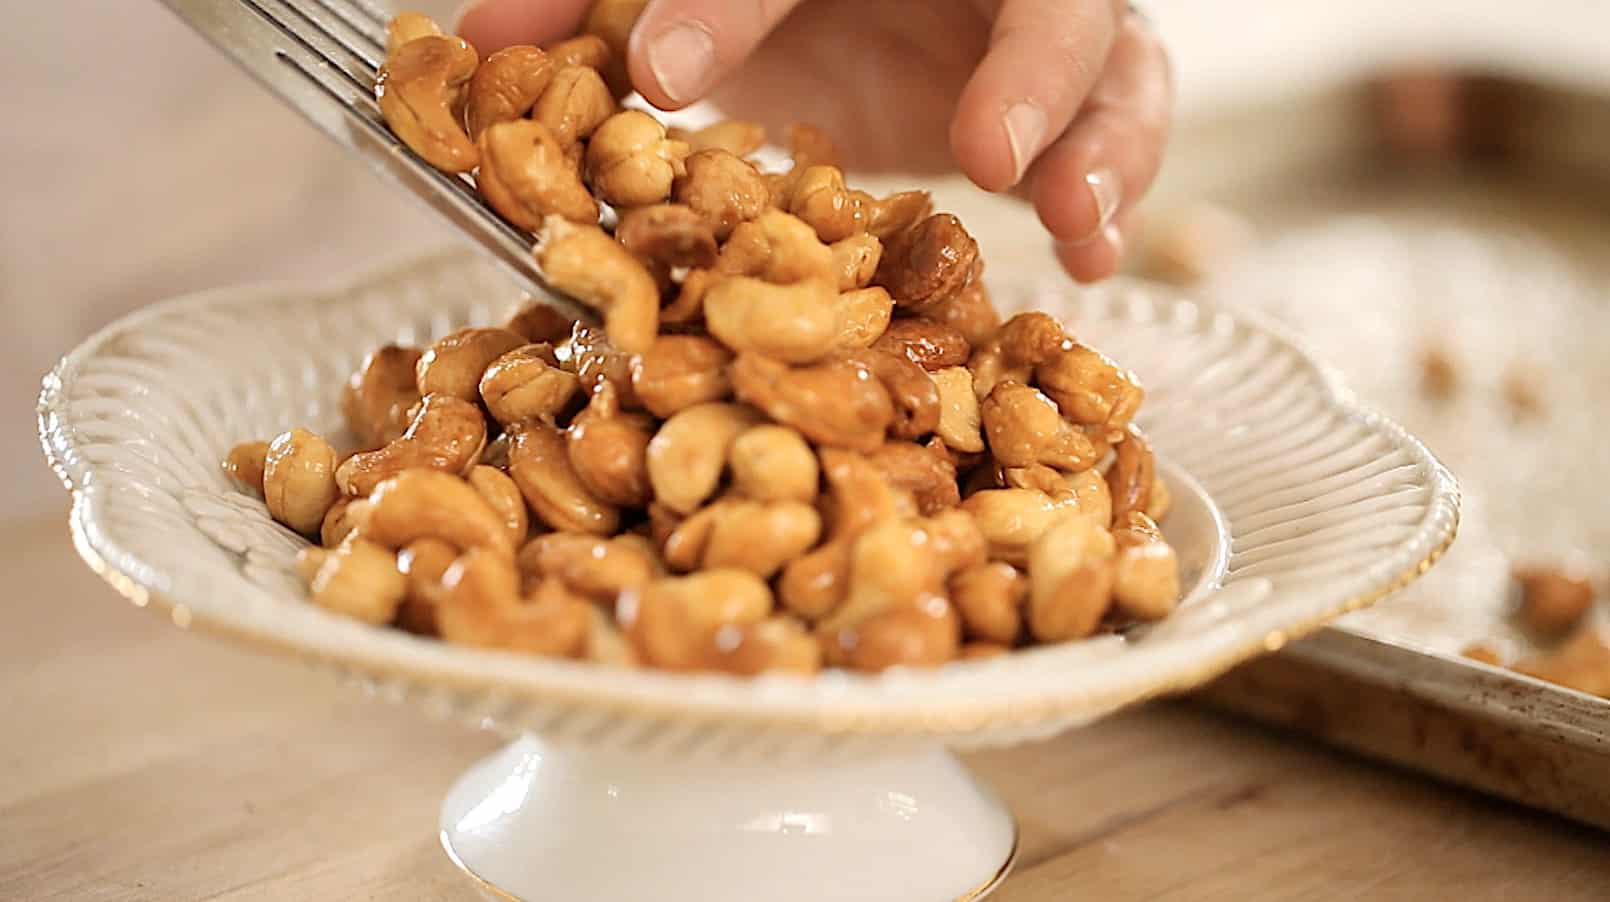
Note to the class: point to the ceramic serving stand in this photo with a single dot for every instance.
(1293, 506)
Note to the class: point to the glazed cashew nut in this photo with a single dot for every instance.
(667, 234)
(1024, 428)
(246, 462)
(901, 563)
(722, 188)
(774, 645)
(631, 162)
(855, 260)
(671, 621)
(1084, 492)
(1146, 571)
(342, 519)
(428, 504)
(506, 86)
(540, 464)
(924, 634)
(838, 402)
(862, 316)
(970, 312)
(757, 536)
(377, 399)
(406, 26)
(929, 344)
(454, 365)
(679, 371)
(1133, 472)
(1090, 388)
(586, 263)
(419, 89)
(989, 597)
(1012, 519)
(689, 452)
(540, 323)
(773, 463)
(794, 323)
(960, 418)
(447, 434)
(1011, 354)
(778, 248)
(527, 383)
(575, 103)
(299, 480)
(600, 568)
(914, 395)
(482, 606)
(588, 50)
(927, 473)
(609, 449)
(738, 137)
(423, 562)
(929, 263)
(1070, 580)
(526, 176)
(503, 497)
(359, 580)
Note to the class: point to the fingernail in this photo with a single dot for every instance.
(681, 59)
(1025, 127)
(1106, 192)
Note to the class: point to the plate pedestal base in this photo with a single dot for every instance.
(537, 821)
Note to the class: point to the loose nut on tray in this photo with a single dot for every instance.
(802, 436)
(1553, 600)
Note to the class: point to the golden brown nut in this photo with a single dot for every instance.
(606, 644)
(970, 312)
(816, 583)
(928, 474)
(679, 371)
(1070, 580)
(960, 419)
(506, 86)
(631, 162)
(1089, 388)
(981, 651)
(779, 248)
(1132, 475)
(503, 496)
(990, 599)
(526, 384)
(1024, 427)
(526, 176)
(927, 634)
(423, 562)
(593, 358)
(246, 462)
(1023, 342)
(774, 645)
(668, 234)
(309, 559)
(795, 323)
(406, 26)
(773, 463)
(1146, 572)
(419, 89)
(482, 606)
(862, 316)
(929, 263)
(913, 393)
(612, 21)
(930, 345)
(757, 536)
(738, 137)
(427, 504)
(540, 465)
(1092, 497)
(609, 449)
(575, 103)
(671, 621)
(1012, 519)
(600, 568)
(540, 323)
(838, 402)
(855, 260)
(1553, 600)
(689, 452)
(447, 434)
(819, 196)
(722, 188)
(342, 520)
(299, 483)
(582, 50)
(898, 212)
(1162, 500)
(1582, 663)
(359, 580)
(380, 395)
(902, 562)
(453, 366)
(586, 263)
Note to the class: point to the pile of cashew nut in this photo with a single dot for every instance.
(801, 436)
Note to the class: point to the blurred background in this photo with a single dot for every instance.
(143, 165)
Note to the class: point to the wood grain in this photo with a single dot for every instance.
(144, 763)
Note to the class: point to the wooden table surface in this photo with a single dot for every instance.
(140, 762)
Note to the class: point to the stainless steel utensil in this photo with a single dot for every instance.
(321, 58)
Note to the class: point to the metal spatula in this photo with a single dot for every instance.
(321, 57)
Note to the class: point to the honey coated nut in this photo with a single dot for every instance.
(774, 645)
(378, 398)
(1070, 580)
(1090, 388)
(506, 86)
(1552, 600)
(359, 580)
(668, 234)
(773, 463)
(527, 383)
(631, 162)
(597, 567)
(299, 482)
(929, 344)
(527, 175)
(586, 263)
(406, 26)
(447, 434)
(1146, 571)
(454, 365)
(862, 316)
(1024, 427)
(989, 597)
(419, 89)
(609, 449)
(575, 103)
(539, 462)
(428, 504)
(794, 323)
(679, 371)
(504, 498)
(246, 462)
(482, 606)
(724, 189)
(838, 403)
(738, 137)
(689, 452)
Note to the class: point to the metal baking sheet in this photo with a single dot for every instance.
(1485, 236)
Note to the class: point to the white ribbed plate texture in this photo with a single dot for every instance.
(1329, 507)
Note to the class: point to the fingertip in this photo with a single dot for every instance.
(982, 149)
(1074, 198)
(1095, 259)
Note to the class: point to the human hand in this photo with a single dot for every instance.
(1066, 101)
